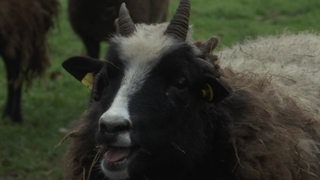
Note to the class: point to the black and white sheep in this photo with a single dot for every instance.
(162, 108)
(93, 21)
(23, 28)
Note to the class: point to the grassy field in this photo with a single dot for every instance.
(29, 151)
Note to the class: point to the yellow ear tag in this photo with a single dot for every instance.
(207, 92)
(88, 80)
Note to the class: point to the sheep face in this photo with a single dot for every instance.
(154, 89)
(152, 120)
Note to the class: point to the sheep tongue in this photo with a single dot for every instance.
(116, 154)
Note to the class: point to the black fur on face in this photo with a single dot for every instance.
(166, 104)
(167, 121)
(107, 80)
(165, 117)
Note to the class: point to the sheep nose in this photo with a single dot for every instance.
(114, 131)
(112, 126)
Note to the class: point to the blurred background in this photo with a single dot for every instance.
(31, 151)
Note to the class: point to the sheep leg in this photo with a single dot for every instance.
(14, 86)
(92, 47)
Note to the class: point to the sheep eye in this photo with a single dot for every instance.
(181, 83)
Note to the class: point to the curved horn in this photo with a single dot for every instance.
(179, 25)
(124, 23)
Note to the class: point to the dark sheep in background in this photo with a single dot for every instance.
(93, 21)
(24, 25)
(162, 107)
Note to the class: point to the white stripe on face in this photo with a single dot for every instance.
(133, 79)
(139, 53)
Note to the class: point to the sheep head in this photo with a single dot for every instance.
(153, 87)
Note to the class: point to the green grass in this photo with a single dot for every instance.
(28, 152)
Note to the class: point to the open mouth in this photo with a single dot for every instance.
(116, 158)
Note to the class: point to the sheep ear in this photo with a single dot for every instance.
(83, 68)
(213, 89)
